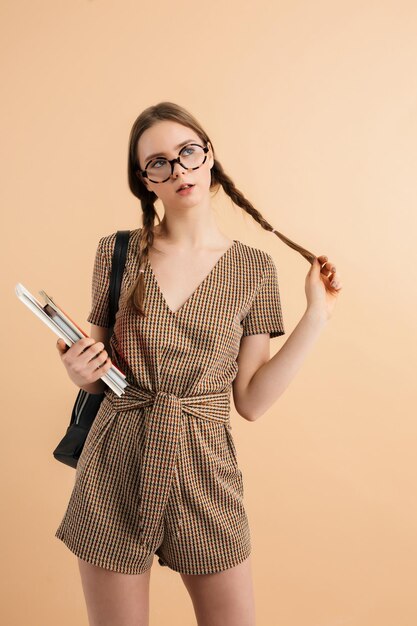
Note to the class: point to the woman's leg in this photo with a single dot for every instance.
(113, 598)
(224, 597)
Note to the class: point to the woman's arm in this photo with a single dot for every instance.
(260, 380)
(273, 377)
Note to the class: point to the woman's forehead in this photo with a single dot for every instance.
(163, 138)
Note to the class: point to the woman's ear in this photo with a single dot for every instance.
(210, 155)
(143, 180)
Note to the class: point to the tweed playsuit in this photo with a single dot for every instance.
(159, 473)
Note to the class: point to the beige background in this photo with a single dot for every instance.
(312, 110)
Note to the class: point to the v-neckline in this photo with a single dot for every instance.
(196, 290)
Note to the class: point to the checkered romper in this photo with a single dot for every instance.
(159, 472)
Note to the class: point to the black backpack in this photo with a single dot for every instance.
(87, 404)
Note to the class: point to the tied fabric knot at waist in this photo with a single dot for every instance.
(162, 433)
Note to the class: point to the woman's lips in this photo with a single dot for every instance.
(186, 191)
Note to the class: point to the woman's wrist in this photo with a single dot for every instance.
(97, 387)
(316, 315)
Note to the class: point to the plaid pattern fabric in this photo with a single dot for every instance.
(159, 472)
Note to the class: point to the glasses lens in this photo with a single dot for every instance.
(191, 156)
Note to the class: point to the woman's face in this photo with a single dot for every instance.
(162, 139)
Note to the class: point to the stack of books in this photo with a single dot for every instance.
(63, 326)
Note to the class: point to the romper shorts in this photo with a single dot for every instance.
(158, 475)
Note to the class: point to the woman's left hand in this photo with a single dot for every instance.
(322, 286)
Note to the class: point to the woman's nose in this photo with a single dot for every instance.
(179, 168)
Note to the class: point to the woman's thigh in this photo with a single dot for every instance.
(225, 598)
(115, 598)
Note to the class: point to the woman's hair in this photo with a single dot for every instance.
(176, 113)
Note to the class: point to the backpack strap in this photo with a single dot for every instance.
(117, 269)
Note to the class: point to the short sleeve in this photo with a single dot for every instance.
(265, 313)
(99, 313)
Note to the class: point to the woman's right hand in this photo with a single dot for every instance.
(85, 361)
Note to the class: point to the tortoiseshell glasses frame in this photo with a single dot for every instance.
(172, 162)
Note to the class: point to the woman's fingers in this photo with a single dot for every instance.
(101, 358)
(327, 266)
(62, 346)
(329, 270)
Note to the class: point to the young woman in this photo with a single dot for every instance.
(159, 473)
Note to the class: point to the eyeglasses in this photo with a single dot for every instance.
(159, 170)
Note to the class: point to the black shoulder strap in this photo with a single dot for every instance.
(117, 269)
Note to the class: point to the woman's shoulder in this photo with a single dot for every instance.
(252, 258)
(107, 242)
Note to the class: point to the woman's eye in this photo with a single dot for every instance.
(159, 161)
(188, 149)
